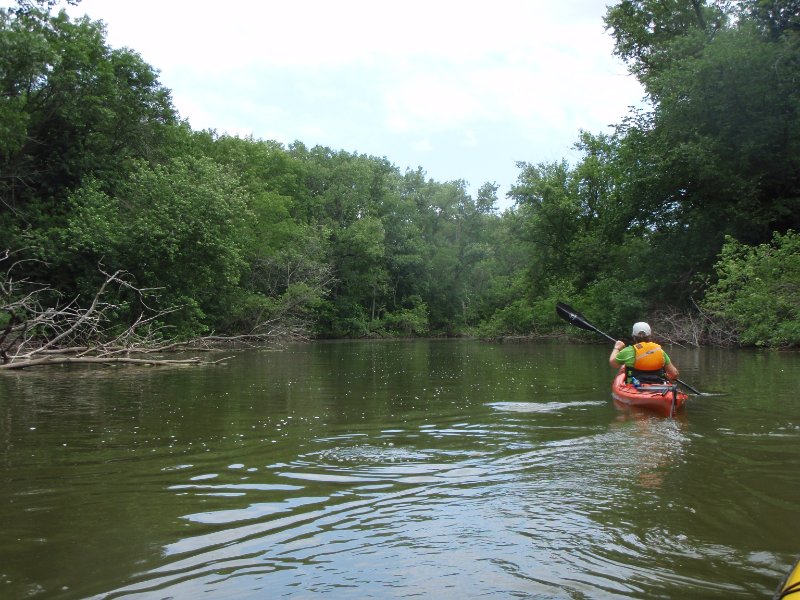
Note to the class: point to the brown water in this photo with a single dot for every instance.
(444, 469)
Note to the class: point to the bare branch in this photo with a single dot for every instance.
(60, 360)
(38, 327)
(694, 327)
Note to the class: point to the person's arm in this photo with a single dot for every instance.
(671, 371)
(612, 360)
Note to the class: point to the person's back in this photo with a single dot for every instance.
(644, 359)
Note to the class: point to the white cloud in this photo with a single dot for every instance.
(429, 103)
(462, 88)
(422, 146)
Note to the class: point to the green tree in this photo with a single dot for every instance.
(411, 320)
(407, 249)
(650, 34)
(288, 271)
(548, 221)
(718, 152)
(361, 272)
(70, 107)
(775, 17)
(757, 289)
(176, 227)
(583, 237)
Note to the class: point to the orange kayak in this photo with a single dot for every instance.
(664, 398)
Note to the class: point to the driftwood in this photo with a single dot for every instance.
(38, 327)
(105, 360)
(694, 328)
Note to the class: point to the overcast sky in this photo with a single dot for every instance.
(462, 89)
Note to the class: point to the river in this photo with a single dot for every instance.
(392, 469)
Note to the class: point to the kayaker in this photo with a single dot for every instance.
(644, 358)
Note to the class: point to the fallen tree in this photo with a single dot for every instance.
(39, 327)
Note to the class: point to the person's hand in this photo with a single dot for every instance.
(612, 359)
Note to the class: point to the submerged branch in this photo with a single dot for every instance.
(106, 360)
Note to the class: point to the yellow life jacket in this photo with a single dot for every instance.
(649, 357)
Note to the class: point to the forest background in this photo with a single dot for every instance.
(686, 215)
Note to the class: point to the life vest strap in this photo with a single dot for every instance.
(656, 376)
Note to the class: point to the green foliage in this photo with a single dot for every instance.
(616, 304)
(757, 289)
(175, 227)
(774, 17)
(71, 107)
(650, 34)
(241, 234)
(718, 152)
(514, 319)
(408, 321)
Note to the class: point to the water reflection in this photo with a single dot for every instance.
(656, 443)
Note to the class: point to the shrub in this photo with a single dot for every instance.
(757, 289)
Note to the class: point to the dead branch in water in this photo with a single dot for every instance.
(104, 360)
(39, 327)
(693, 327)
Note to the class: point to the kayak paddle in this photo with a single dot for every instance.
(573, 317)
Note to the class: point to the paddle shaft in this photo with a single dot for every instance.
(690, 388)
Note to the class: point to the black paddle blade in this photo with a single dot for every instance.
(572, 316)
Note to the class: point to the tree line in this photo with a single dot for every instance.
(687, 213)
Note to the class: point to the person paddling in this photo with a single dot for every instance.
(644, 360)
